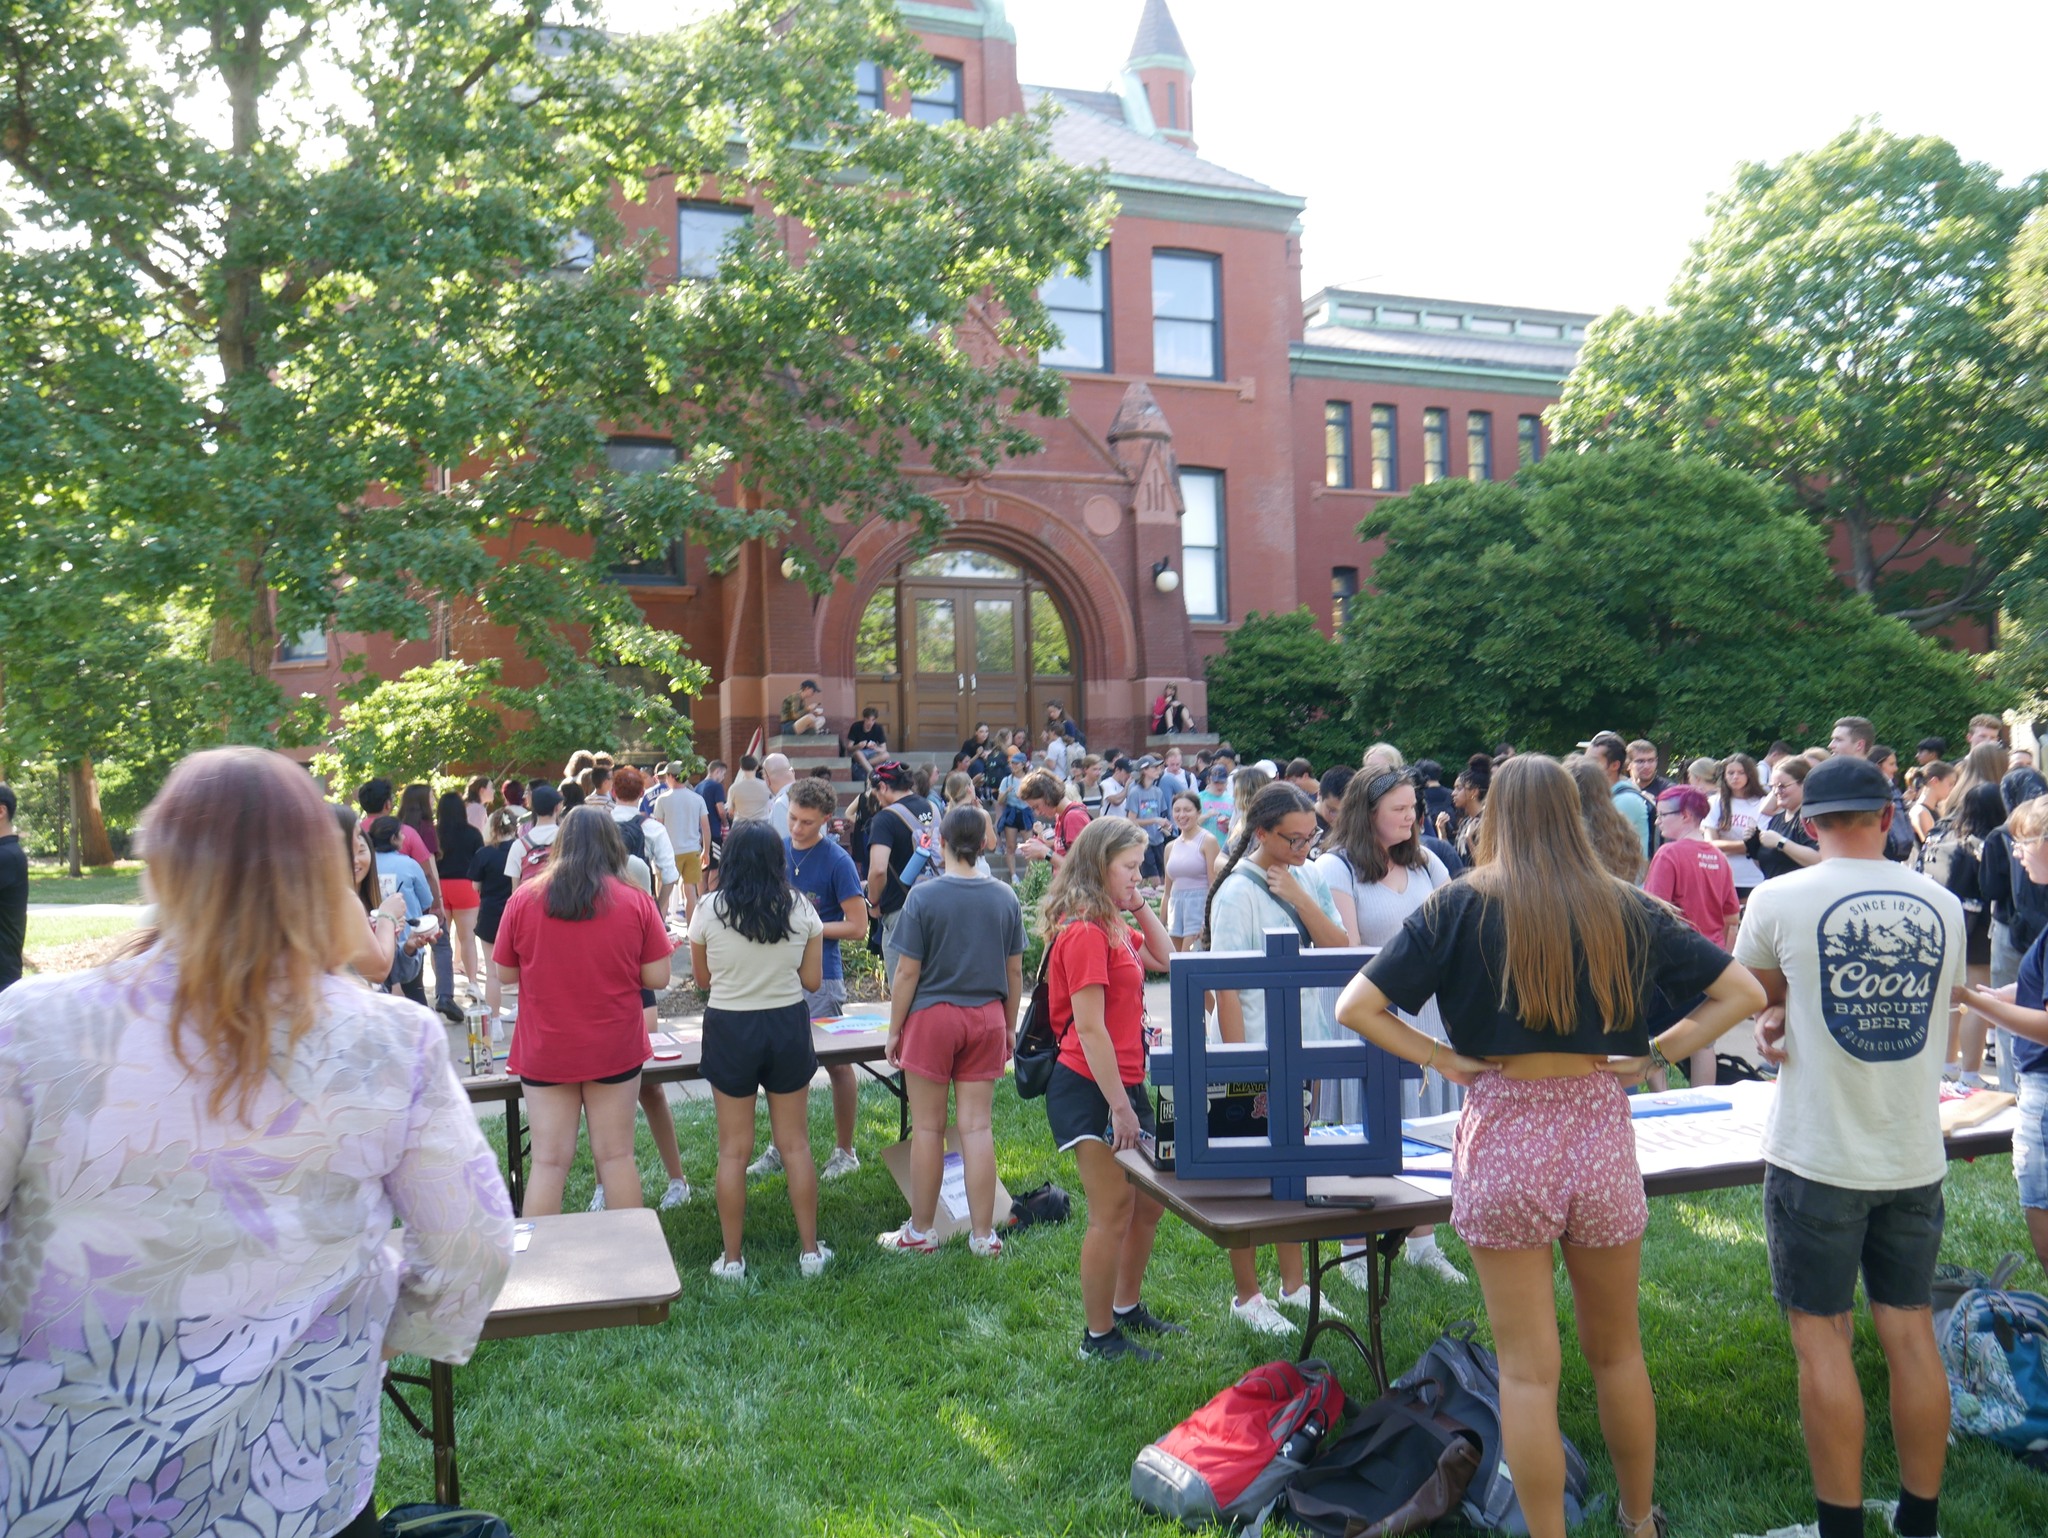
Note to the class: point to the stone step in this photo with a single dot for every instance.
(1182, 740)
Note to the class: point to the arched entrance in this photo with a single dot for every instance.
(960, 637)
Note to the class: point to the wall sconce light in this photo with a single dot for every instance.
(789, 568)
(1164, 577)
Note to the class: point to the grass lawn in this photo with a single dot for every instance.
(53, 883)
(49, 933)
(942, 1395)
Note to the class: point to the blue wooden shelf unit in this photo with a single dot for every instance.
(1284, 1063)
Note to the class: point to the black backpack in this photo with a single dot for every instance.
(633, 836)
(1400, 1467)
(1950, 859)
(430, 1521)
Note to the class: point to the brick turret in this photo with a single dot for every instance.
(1159, 64)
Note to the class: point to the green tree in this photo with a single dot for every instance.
(1633, 590)
(327, 304)
(1836, 330)
(1278, 688)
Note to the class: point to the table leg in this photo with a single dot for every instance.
(893, 1083)
(1379, 1254)
(515, 1155)
(441, 1380)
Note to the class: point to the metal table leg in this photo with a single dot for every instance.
(515, 1155)
(893, 1083)
(1379, 1254)
(440, 1386)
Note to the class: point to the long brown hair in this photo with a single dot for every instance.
(588, 856)
(1080, 887)
(1359, 841)
(1273, 805)
(1986, 764)
(1616, 843)
(251, 924)
(1557, 903)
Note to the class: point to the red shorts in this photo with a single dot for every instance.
(948, 1042)
(459, 895)
(1538, 1160)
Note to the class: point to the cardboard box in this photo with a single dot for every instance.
(952, 1208)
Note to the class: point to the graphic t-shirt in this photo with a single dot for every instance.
(1743, 819)
(1089, 956)
(1693, 876)
(825, 874)
(1869, 951)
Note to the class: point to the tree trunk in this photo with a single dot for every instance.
(71, 822)
(91, 842)
(1862, 553)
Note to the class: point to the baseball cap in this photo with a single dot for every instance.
(1150, 761)
(1845, 784)
(1267, 767)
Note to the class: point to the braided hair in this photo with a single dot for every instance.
(1269, 808)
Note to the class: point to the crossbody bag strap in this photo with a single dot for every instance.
(1300, 927)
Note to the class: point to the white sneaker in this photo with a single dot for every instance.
(597, 1200)
(844, 1161)
(1951, 1072)
(729, 1270)
(1299, 1299)
(1357, 1271)
(987, 1248)
(677, 1193)
(770, 1163)
(815, 1262)
(1259, 1313)
(1432, 1260)
(1796, 1530)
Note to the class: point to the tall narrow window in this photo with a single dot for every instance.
(1386, 464)
(1529, 440)
(867, 85)
(1172, 104)
(1436, 444)
(1187, 334)
(645, 456)
(1343, 589)
(940, 101)
(703, 230)
(1201, 539)
(1078, 304)
(1337, 444)
(1479, 445)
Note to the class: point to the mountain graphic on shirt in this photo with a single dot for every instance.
(1881, 957)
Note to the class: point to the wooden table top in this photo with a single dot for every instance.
(587, 1271)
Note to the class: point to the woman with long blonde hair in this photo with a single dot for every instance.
(1548, 972)
(1096, 1104)
(207, 1144)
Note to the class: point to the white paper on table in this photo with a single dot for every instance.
(953, 1186)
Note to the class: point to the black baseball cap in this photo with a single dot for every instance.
(1845, 784)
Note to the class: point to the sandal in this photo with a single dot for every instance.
(1658, 1524)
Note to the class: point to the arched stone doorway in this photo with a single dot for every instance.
(960, 637)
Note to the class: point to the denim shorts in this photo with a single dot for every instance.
(2030, 1141)
(1819, 1237)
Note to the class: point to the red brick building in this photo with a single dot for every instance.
(1223, 442)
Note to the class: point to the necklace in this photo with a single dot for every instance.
(797, 875)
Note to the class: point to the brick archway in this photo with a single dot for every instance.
(1027, 532)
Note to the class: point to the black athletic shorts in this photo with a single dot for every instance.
(748, 1050)
(1076, 1111)
(610, 1078)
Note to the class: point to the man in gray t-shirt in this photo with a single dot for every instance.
(962, 931)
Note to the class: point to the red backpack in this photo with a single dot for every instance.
(1231, 1459)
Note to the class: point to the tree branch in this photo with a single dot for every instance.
(514, 36)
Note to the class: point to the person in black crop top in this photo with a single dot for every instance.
(1551, 977)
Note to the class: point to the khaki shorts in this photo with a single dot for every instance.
(690, 867)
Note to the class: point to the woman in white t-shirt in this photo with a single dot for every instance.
(758, 946)
(1737, 812)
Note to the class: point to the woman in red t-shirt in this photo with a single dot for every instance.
(1046, 795)
(1096, 1102)
(581, 943)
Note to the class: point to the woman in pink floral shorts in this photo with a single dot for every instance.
(1550, 975)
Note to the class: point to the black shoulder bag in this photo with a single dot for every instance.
(1037, 1048)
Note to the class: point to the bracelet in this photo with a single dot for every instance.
(1657, 1058)
(1430, 1061)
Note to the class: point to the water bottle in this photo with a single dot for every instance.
(477, 1017)
(1301, 1447)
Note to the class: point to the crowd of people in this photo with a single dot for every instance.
(1547, 934)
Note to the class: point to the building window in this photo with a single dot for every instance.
(703, 231)
(1187, 337)
(1479, 445)
(1399, 317)
(1436, 444)
(1078, 305)
(1201, 540)
(1337, 444)
(940, 101)
(576, 252)
(867, 85)
(1172, 104)
(1343, 589)
(1386, 464)
(306, 646)
(644, 456)
(1529, 440)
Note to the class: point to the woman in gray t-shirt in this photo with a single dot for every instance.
(958, 949)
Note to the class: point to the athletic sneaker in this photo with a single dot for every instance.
(1259, 1313)
(1889, 1510)
(1433, 1260)
(770, 1163)
(1103, 1348)
(1355, 1271)
(814, 1263)
(844, 1161)
(1140, 1318)
(597, 1200)
(1299, 1299)
(909, 1241)
(987, 1248)
(729, 1270)
(677, 1193)
(1796, 1530)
